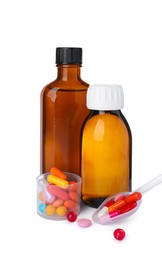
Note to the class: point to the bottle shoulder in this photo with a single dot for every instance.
(65, 85)
(108, 120)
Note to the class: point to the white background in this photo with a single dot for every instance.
(122, 43)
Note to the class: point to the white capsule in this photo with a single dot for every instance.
(103, 211)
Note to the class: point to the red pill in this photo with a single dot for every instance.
(127, 207)
(71, 216)
(133, 197)
(109, 203)
(119, 234)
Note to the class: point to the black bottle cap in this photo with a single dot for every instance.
(66, 55)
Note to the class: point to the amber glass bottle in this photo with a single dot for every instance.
(106, 146)
(63, 111)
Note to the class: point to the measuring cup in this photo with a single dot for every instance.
(101, 215)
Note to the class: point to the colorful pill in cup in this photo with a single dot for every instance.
(57, 194)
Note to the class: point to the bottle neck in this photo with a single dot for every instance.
(102, 112)
(68, 72)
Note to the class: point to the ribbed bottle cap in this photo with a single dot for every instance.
(105, 97)
(66, 55)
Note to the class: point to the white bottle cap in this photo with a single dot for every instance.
(105, 97)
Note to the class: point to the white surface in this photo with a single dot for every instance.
(122, 44)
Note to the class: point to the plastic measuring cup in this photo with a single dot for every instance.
(101, 215)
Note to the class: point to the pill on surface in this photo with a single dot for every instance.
(117, 205)
(119, 196)
(50, 210)
(56, 191)
(56, 172)
(71, 216)
(58, 202)
(84, 222)
(119, 234)
(133, 197)
(69, 204)
(58, 181)
(127, 207)
(61, 211)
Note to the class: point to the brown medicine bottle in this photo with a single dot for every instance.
(106, 146)
(63, 111)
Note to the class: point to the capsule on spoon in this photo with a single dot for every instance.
(122, 205)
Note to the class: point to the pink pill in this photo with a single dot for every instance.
(84, 222)
(56, 191)
(49, 199)
(114, 213)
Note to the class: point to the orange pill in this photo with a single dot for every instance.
(117, 205)
(58, 202)
(69, 204)
(73, 196)
(56, 172)
(133, 197)
(72, 182)
(73, 186)
(40, 196)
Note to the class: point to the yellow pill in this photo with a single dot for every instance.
(61, 211)
(50, 210)
(58, 181)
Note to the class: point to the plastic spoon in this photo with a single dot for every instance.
(101, 215)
